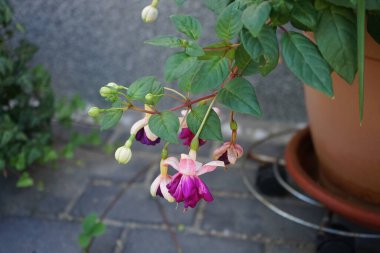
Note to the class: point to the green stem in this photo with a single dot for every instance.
(361, 44)
(204, 119)
(155, 3)
(176, 92)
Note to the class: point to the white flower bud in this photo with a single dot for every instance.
(123, 155)
(149, 14)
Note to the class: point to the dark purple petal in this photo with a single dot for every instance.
(188, 136)
(141, 137)
(224, 158)
(159, 193)
(188, 189)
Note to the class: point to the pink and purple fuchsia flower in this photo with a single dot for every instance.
(229, 152)
(186, 186)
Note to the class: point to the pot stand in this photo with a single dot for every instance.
(332, 237)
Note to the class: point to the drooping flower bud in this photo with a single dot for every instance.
(106, 91)
(123, 155)
(94, 112)
(113, 85)
(149, 14)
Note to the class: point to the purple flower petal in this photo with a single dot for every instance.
(224, 158)
(188, 136)
(143, 138)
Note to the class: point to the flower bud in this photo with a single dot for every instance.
(149, 98)
(113, 85)
(94, 112)
(123, 155)
(149, 14)
(106, 91)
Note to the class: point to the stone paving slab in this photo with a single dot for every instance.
(251, 217)
(195, 243)
(149, 241)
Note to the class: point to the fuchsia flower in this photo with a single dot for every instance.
(142, 132)
(228, 153)
(158, 186)
(186, 186)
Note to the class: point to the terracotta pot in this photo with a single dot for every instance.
(349, 155)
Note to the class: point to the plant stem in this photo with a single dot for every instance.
(221, 48)
(204, 119)
(176, 92)
(193, 102)
(361, 44)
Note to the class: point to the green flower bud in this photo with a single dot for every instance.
(149, 98)
(233, 125)
(106, 91)
(113, 85)
(94, 112)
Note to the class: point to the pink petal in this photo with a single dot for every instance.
(239, 150)
(173, 162)
(221, 150)
(208, 167)
(232, 155)
(187, 166)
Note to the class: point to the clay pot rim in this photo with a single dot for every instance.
(355, 212)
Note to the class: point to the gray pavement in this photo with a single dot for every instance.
(49, 220)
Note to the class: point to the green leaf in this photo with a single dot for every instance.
(280, 13)
(2, 164)
(139, 88)
(177, 65)
(211, 75)
(88, 222)
(373, 24)
(185, 82)
(336, 39)
(255, 16)
(165, 41)
(25, 180)
(188, 25)
(216, 6)
(229, 23)
(246, 65)
(194, 49)
(110, 118)
(157, 90)
(165, 125)
(212, 128)
(263, 49)
(84, 240)
(98, 229)
(304, 60)
(239, 95)
(304, 16)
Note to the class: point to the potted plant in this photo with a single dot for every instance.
(250, 37)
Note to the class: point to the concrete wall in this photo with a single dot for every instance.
(88, 43)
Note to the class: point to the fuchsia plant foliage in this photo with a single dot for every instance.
(197, 77)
